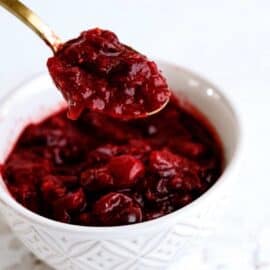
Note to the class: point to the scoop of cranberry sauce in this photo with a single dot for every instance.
(97, 72)
(99, 171)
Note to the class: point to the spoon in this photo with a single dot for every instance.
(28, 17)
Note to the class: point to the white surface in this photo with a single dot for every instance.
(228, 42)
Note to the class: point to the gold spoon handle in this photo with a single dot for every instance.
(28, 17)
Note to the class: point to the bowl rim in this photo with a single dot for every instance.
(150, 225)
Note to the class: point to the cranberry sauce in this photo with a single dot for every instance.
(99, 171)
(97, 72)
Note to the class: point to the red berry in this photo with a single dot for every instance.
(125, 170)
(164, 163)
(117, 209)
(74, 201)
(96, 179)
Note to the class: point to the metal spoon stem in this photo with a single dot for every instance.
(28, 17)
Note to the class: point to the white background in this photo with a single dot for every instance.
(228, 42)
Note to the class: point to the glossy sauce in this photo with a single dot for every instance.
(97, 72)
(100, 171)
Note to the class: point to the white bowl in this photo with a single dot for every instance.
(148, 245)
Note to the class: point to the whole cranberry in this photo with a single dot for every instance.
(74, 201)
(125, 170)
(117, 209)
(96, 179)
(163, 162)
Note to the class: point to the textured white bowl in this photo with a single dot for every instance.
(148, 245)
